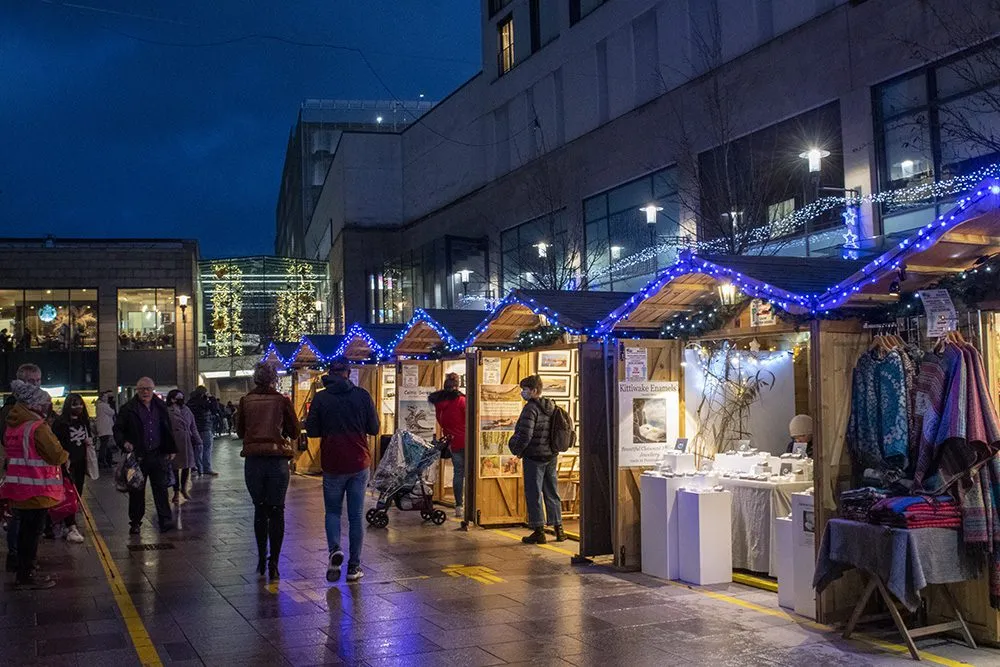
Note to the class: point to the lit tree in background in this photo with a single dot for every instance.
(295, 309)
(227, 309)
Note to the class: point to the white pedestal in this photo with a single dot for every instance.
(706, 537)
(804, 553)
(660, 525)
(786, 562)
(679, 461)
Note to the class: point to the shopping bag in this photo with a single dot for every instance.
(128, 475)
(70, 504)
(93, 470)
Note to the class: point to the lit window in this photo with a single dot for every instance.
(505, 46)
(146, 319)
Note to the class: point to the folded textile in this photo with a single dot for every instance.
(856, 503)
(913, 512)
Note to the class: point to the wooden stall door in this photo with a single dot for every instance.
(595, 396)
(305, 385)
(499, 500)
(369, 379)
(663, 364)
(429, 377)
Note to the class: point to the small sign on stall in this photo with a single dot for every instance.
(762, 314)
(649, 420)
(491, 370)
(411, 376)
(636, 364)
(940, 311)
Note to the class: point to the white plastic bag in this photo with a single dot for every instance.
(93, 471)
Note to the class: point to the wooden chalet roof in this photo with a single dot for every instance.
(431, 328)
(314, 349)
(578, 312)
(366, 341)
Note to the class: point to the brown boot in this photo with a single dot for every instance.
(560, 534)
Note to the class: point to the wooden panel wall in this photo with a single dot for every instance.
(370, 379)
(663, 364)
(597, 393)
(305, 383)
(499, 501)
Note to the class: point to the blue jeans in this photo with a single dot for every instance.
(335, 487)
(458, 476)
(540, 481)
(205, 460)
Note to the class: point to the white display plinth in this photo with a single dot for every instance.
(786, 562)
(679, 462)
(804, 553)
(706, 538)
(660, 525)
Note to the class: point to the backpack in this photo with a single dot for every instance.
(562, 437)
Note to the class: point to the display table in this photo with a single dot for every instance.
(658, 497)
(755, 507)
(705, 549)
(898, 563)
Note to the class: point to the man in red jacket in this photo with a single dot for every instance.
(343, 416)
(449, 405)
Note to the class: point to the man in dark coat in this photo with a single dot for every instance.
(343, 415)
(143, 427)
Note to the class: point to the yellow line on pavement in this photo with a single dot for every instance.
(512, 536)
(133, 622)
(801, 620)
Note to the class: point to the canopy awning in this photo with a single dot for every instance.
(364, 342)
(434, 328)
(281, 352)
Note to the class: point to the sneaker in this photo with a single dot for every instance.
(73, 536)
(537, 537)
(134, 529)
(34, 582)
(333, 569)
(459, 512)
(354, 573)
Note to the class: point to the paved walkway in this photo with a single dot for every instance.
(431, 596)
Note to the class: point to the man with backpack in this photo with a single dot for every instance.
(543, 431)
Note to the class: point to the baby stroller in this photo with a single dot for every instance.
(405, 478)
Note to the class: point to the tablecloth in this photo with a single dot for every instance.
(905, 560)
(755, 506)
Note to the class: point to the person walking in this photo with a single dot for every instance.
(230, 417)
(343, 416)
(105, 419)
(186, 438)
(30, 374)
(531, 441)
(73, 430)
(144, 427)
(34, 480)
(204, 419)
(449, 407)
(267, 424)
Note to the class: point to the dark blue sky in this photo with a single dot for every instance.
(102, 134)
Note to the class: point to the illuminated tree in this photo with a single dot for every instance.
(227, 309)
(295, 309)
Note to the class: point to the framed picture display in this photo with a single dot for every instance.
(555, 361)
(565, 405)
(556, 386)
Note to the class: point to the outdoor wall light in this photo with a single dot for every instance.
(727, 294)
(815, 157)
(543, 249)
(616, 252)
(182, 301)
(651, 210)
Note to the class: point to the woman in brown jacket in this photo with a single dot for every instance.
(267, 424)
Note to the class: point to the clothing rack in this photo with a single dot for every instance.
(913, 330)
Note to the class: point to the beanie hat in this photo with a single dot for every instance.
(29, 394)
(800, 425)
(265, 374)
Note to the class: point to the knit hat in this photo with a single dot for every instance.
(800, 425)
(265, 374)
(30, 395)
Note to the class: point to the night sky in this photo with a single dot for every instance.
(104, 132)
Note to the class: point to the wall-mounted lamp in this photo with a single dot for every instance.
(727, 294)
(182, 301)
(651, 210)
(543, 249)
(815, 157)
(616, 252)
(464, 275)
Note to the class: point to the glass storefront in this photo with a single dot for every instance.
(48, 319)
(146, 319)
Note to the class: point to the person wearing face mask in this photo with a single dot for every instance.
(34, 480)
(531, 441)
(187, 439)
(72, 427)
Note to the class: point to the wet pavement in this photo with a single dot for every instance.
(432, 595)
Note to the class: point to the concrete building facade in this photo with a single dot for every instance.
(98, 314)
(602, 136)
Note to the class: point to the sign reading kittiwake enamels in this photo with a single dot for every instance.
(648, 421)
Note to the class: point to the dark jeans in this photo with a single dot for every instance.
(267, 479)
(458, 476)
(206, 452)
(12, 529)
(540, 482)
(29, 532)
(156, 468)
(105, 455)
(335, 487)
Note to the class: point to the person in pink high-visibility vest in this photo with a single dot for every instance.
(34, 480)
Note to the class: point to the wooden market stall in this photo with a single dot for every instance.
(368, 350)
(430, 346)
(548, 333)
(306, 366)
(279, 353)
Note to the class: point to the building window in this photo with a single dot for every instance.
(497, 5)
(544, 23)
(48, 319)
(632, 231)
(540, 254)
(580, 8)
(935, 124)
(505, 45)
(146, 319)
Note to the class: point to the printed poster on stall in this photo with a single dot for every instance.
(649, 421)
(940, 311)
(499, 407)
(762, 314)
(416, 415)
(636, 364)
(411, 376)
(491, 370)
(355, 376)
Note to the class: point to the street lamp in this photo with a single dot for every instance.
(651, 210)
(464, 275)
(182, 301)
(815, 157)
(616, 252)
(543, 249)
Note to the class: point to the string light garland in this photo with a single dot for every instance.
(448, 341)
(227, 309)
(685, 326)
(540, 336)
(295, 303)
(376, 351)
